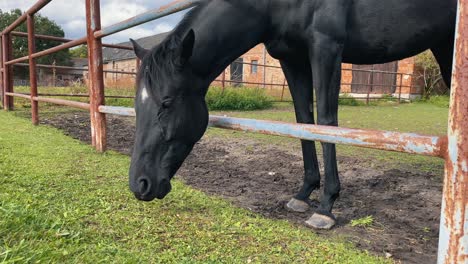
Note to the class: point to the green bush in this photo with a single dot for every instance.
(437, 100)
(346, 99)
(234, 98)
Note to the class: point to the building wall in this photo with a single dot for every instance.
(120, 79)
(271, 77)
(274, 77)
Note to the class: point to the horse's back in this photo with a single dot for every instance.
(382, 31)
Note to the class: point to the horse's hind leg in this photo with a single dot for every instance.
(444, 56)
(326, 67)
(299, 76)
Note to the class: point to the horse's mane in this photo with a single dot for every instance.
(158, 55)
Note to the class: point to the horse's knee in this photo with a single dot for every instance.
(312, 178)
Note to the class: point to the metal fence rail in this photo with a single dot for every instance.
(453, 238)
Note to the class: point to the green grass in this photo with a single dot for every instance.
(437, 100)
(363, 222)
(60, 202)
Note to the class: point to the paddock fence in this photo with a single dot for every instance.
(453, 235)
(268, 78)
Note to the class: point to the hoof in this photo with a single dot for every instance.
(296, 205)
(319, 221)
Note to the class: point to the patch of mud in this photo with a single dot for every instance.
(405, 205)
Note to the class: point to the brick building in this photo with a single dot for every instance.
(248, 70)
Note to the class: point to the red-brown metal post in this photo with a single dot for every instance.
(96, 82)
(7, 72)
(401, 87)
(32, 70)
(223, 80)
(1, 71)
(282, 91)
(453, 235)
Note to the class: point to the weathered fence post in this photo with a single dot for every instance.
(96, 82)
(453, 235)
(7, 72)
(32, 70)
(401, 87)
(1, 70)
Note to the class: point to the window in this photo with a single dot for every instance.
(254, 66)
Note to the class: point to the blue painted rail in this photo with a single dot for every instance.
(385, 140)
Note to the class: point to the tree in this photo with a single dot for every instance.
(79, 52)
(42, 25)
(429, 72)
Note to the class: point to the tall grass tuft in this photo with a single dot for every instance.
(437, 100)
(346, 99)
(234, 98)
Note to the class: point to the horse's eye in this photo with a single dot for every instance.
(166, 103)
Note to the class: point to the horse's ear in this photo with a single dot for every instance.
(139, 50)
(187, 45)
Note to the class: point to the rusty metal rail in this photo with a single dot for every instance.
(453, 239)
(163, 11)
(384, 140)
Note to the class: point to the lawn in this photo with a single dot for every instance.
(62, 202)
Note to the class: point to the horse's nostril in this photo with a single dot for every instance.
(144, 185)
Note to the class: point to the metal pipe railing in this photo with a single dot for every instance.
(163, 11)
(383, 140)
(31, 11)
(60, 39)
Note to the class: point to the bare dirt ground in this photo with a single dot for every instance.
(405, 205)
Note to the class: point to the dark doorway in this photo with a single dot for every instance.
(237, 70)
(377, 82)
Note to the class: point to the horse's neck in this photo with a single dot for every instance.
(224, 32)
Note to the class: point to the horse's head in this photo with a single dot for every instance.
(171, 115)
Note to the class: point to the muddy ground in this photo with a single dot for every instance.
(405, 204)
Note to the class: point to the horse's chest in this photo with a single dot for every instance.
(284, 48)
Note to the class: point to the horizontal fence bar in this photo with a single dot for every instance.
(147, 16)
(39, 36)
(76, 95)
(384, 140)
(31, 11)
(60, 39)
(74, 104)
(52, 66)
(26, 96)
(73, 68)
(67, 45)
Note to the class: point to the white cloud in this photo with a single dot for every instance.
(71, 16)
(163, 27)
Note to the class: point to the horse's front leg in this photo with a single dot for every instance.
(326, 60)
(299, 76)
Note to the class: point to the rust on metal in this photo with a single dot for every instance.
(60, 39)
(384, 140)
(1, 71)
(31, 11)
(7, 72)
(32, 70)
(453, 235)
(74, 104)
(96, 81)
(145, 17)
(21, 95)
(63, 46)
(39, 36)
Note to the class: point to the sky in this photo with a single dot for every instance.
(71, 16)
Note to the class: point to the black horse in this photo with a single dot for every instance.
(311, 38)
